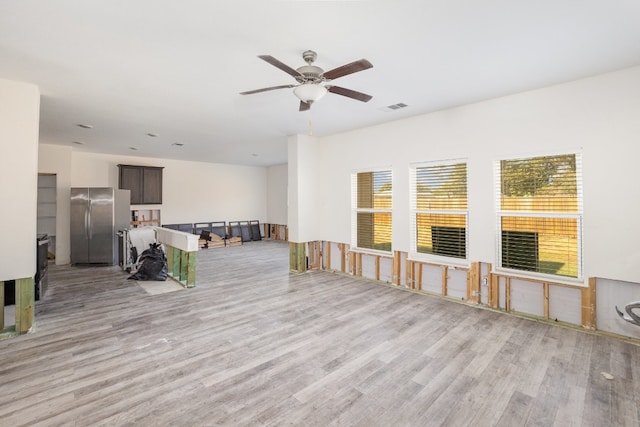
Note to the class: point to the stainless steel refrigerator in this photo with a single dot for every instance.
(97, 214)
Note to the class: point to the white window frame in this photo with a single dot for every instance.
(578, 216)
(355, 210)
(413, 211)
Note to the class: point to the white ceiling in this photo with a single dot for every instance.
(176, 68)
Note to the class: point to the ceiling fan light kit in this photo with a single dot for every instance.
(310, 92)
(310, 77)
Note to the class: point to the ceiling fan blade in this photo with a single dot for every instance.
(284, 67)
(304, 106)
(349, 93)
(351, 68)
(249, 92)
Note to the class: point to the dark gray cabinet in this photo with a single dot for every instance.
(144, 182)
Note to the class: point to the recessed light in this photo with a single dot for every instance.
(84, 126)
(78, 142)
(133, 148)
(152, 135)
(177, 144)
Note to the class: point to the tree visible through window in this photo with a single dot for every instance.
(371, 207)
(439, 209)
(540, 214)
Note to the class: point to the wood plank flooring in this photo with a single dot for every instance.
(254, 345)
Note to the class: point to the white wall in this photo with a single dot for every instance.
(192, 191)
(277, 183)
(57, 159)
(303, 213)
(598, 116)
(19, 124)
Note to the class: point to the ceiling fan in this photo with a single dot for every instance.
(310, 78)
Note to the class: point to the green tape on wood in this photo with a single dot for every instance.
(191, 269)
(184, 264)
(170, 260)
(1, 305)
(176, 263)
(297, 257)
(25, 301)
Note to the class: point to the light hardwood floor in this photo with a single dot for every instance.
(254, 345)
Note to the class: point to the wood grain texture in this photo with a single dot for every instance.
(255, 345)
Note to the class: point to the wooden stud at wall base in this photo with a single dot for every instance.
(494, 290)
(445, 274)
(507, 294)
(409, 274)
(395, 276)
(342, 258)
(297, 257)
(184, 264)
(327, 258)
(170, 260)
(352, 262)
(191, 269)
(314, 255)
(589, 320)
(377, 261)
(545, 288)
(418, 280)
(358, 264)
(1, 305)
(176, 263)
(25, 302)
(473, 283)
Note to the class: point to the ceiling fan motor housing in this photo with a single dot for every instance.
(311, 74)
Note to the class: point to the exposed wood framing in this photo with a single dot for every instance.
(507, 294)
(191, 269)
(494, 290)
(418, 278)
(181, 265)
(315, 255)
(473, 283)
(478, 275)
(276, 232)
(1, 305)
(176, 263)
(545, 290)
(169, 260)
(409, 274)
(589, 305)
(395, 275)
(297, 257)
(25, 302)
(445, 276)
(327, 258)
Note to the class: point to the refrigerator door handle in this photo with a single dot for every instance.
(89, 225)
(86, 221)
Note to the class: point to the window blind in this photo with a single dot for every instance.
(372, 210)
(540, 214)
(439, 209)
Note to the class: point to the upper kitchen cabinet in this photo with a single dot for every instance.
(145, 183)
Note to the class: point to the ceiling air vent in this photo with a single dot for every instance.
(394, 107)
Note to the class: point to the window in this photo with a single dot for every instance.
(540, 214)
(439, 209)
(371, 201)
